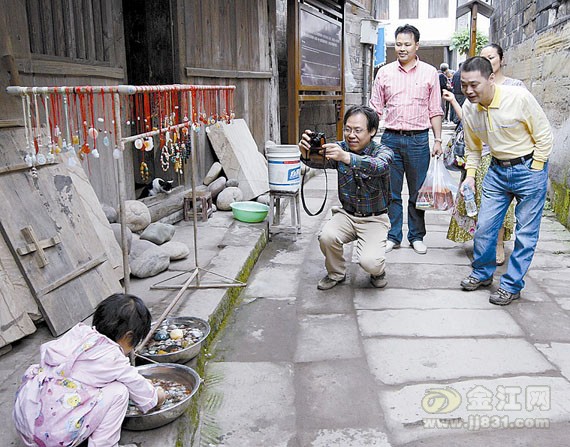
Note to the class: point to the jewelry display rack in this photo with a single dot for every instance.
(66, 117)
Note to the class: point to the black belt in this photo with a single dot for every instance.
(512, 161)
(378, 213)
(407, 133)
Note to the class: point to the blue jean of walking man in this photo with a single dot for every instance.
(500, 186)
(412, 158)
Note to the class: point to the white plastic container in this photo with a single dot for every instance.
(284, 165)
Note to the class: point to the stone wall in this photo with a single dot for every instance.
(535, 35)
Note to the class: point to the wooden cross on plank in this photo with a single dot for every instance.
(37, 246)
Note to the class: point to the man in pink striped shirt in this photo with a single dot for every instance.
(407, 93)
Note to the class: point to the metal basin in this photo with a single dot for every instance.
(167, 371)
(186, 354)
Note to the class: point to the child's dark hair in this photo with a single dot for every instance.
(121, 313)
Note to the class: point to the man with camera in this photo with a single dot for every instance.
(364, 193)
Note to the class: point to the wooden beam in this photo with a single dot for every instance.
(57, 67)
(232, 74)
(473, 37)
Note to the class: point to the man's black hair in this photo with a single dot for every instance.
(408, 29)
(480, 64)
(371, 116)
(121, 313)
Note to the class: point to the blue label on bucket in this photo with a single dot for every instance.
(293, 174)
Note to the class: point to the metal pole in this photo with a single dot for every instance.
(193, 184)
(122, 194)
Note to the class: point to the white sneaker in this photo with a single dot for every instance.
(419, 247)
(390, 245)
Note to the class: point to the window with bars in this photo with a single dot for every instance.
(74, 29)
(409, 9)
(438, 9)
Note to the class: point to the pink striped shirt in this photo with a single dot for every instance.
(411, 98)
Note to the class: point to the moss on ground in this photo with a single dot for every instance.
(217, 322)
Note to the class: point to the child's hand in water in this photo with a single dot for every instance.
(161, 397)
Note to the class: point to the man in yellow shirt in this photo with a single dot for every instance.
(512, 123)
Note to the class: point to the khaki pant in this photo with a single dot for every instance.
(370, 234)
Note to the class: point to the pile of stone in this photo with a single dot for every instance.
(225, 191)
(150, 245)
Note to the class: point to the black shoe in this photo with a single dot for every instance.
(379, 281)
(327, 283)
(501, 297)
(471, 283)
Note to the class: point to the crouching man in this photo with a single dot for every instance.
(364, 193)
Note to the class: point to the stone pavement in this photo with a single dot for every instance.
(420, 362)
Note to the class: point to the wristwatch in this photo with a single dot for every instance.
(438, 139)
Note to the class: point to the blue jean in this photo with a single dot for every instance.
(411, 157)
(500, 186)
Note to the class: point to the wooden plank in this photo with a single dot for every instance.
(76, 300)
(95, 215)
(16, 301)
(69, 28)
(99, 54)
(81, 45)
(60, 47)
(53, 206)
(224, 74)
(89, 30)
(55, 67)
(72, 275)
(47, 28)
(107, 32)
(35, 26)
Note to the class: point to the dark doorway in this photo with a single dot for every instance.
(150, 54)
(149, 42)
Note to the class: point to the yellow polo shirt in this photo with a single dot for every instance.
(514, 125)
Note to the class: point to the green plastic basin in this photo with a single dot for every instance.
(249, 211)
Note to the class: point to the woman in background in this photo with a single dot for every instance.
(462, 227)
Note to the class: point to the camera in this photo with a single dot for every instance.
(317, 139)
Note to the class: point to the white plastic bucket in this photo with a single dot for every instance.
(284, 165)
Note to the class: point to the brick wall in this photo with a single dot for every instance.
(535, 35)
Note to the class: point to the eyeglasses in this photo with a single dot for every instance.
(357, 132)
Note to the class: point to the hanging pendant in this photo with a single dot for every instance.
(106, 141)
(95, 153)
(164, 159)
(116, 153)
(28, 160)
(139, 143)
(145, 175)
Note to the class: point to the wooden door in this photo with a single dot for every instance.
(48, 230)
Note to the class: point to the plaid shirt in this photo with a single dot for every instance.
(364, 185)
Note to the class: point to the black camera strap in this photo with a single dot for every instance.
(326, 192)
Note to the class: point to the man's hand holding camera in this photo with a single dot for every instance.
(315, 142)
